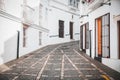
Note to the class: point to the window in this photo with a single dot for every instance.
(61, 28)
(40, 38)
(74, 3)
(2, 5)
(24, 34)
(89, 1)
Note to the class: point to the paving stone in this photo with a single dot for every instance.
(53, 67)
(84, 66)
(38, 66)
(50, 78)
(68, 65)
(7, 76)
(71, 73)
(92, 78)
(15, 70)
(31, 65)
(73, 78)
(54, 61)
(91, 72)
(51, 73)
(26, 77)
(32, 71)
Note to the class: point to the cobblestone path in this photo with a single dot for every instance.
(54, 62)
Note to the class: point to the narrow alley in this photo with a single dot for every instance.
(54, 62)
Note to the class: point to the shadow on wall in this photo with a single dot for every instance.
(10, 49)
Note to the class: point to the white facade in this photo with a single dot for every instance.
(59, 10)
(114, 12)
(37, 23)
(11, 21)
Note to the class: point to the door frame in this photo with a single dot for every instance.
(101, 33)
(118, 28)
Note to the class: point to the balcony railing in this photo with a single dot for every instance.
(74, 3)
(95, 4)
(91, 5)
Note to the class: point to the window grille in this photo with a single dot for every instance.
(61, 28)
(105, 36)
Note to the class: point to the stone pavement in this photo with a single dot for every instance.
(54, 62)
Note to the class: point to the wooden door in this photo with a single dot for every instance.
(106, 36)
(61, 28)
(81, 37)
(99, 27)
(71, 30)
(119, 39)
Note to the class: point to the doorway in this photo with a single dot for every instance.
(99, 29)
(81, 38)
(103, 36)
(71, 30)
(118, 39)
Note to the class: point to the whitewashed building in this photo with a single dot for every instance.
(27, 25)
(63, 20)
(20, 29)
(100, 31)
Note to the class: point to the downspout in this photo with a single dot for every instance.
(90, 44)
(18, 41)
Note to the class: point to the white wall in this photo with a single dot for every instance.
(8, 39)
(59, 13)
(14, 7)
(114, 11)
(113, 63)
(32, 40)
(9, 27)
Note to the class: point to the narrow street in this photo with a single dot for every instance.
(54, 62)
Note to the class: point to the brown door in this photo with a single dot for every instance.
(81, 37)
(61, 28)
(71, 30)
(119, 38)
(87, 35)
(99, 23)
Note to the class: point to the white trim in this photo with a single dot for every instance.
(65, 10)
(40, 28)
(9, 16)
(19, 20)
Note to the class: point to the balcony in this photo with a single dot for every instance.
(95, 4)
(28, 14)
(73, 4)
(92, 4)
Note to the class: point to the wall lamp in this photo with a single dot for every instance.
(106, 4)
(84, 16)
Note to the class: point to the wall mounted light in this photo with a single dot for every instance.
(84, 16)
(106, 4)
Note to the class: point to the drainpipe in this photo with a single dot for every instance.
(90, 44)
(18, 41)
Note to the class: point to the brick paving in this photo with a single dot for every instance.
(54, 62)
